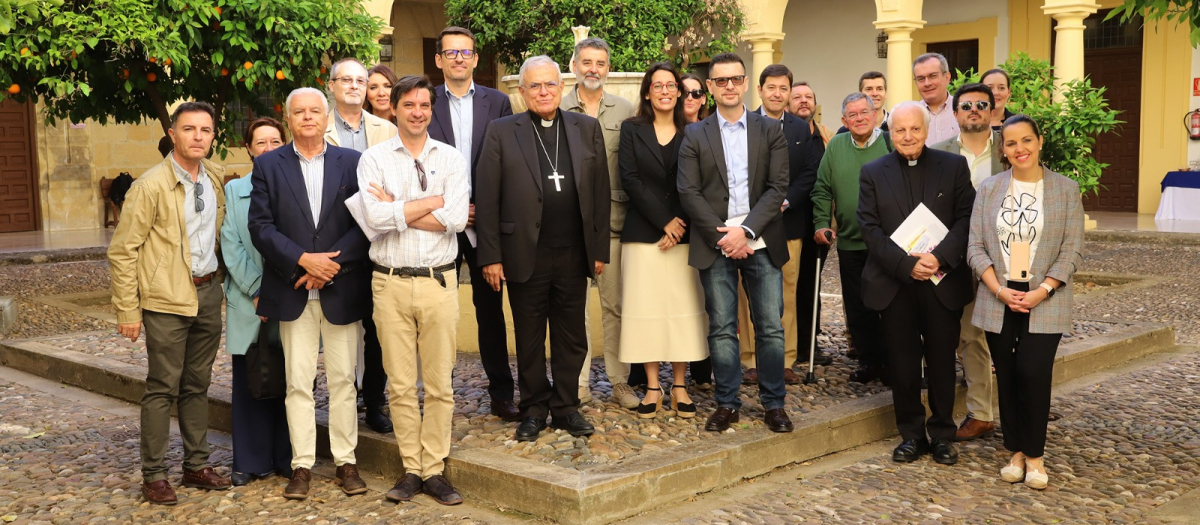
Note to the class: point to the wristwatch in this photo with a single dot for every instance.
(1049, 290)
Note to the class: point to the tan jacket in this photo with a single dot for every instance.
(614, 110)
(378, 130)
(149, 259)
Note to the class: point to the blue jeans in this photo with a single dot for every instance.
(764, 289)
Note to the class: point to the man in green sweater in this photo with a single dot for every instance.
(835, 198)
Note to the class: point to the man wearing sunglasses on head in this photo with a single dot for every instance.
(981, 146)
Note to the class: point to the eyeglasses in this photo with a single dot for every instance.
(199, 201)
(351, 81)
(695, 93)
(451, 54)
(421, 174)
(659, 87)
(980, 105)
(538, 86)
(932, 77)
(855, 116)
(722, 81)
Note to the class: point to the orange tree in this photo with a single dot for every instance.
(125, 61)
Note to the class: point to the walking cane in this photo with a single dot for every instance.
(812, 344)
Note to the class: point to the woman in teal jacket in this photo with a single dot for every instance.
(260, 432)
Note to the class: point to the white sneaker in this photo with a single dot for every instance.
(623, 395)
(585, 395)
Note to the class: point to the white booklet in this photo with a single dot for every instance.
(756, 244)
(920, 233)
(358, 210)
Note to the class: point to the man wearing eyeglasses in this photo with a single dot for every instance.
(462, 111)
(541, 208)
(733, 179)
(981, 146)
(316, 281)
(175, 294)
(591, 65)
(417, 197)
(931, 72)
(350, 127)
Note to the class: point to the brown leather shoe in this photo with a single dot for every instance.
(297, 488)
(441, 490)
(505, 409)
(973, 428)
(205, 478)
(159, 493)
(720, 419)
(790, 377)
(750, 377)
(347, 476)
(405, 489)
(777, 420)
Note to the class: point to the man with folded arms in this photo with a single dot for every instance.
(163, 263)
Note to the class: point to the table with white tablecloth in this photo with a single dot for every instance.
(1180, 197)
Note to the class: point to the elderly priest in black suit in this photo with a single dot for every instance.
(920, 318)
(541, 212)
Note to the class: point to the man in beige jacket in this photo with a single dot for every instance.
(163, 261)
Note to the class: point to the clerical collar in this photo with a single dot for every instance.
(537, 119)
(913, 162)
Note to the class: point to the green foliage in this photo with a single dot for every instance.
(640, 32)
(128, 60)
(1186, 12)
(1069, 127)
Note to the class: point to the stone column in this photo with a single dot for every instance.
(1068, 44)
(900, 56)
(762, 52)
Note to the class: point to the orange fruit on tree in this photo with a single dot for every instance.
(74, 55)
(125, 73)
(151, 76)
(248, 64)
(224, 71)
(278, 107)
(279, 75)
(24, 51)
(320, 82)
(167, 62)
(14, 89)
(153, 60)
(219, 10)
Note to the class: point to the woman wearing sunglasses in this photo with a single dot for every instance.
(694, 98)
(1026, 243)
(663, 311)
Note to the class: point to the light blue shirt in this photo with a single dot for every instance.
(201, 225)
(737, 163)
(313, 171)
(462, 120)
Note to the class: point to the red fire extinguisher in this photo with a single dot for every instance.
(1192, 122)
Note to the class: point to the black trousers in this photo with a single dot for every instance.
(917, 325)
(806, 288)
(556, 292)
(701, 370)
(1024, 371)
(863, 323)
(260, 430)
(374, 381)
(489, 315)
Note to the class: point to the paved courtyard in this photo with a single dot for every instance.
(1126, 444)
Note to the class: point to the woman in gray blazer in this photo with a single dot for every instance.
(1026, 242)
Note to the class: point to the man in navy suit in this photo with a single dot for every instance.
(314, 281)
(462, 111)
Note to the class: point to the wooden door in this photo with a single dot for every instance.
(18, 172)
(961, 55)
(1113, 59)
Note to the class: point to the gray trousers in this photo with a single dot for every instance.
(180, 351)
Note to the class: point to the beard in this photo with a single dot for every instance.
(591, 84)
(976, 128)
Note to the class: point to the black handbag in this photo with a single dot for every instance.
(265, 375)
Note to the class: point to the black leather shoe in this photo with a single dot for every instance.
(574, 424)
(377, 421)
(441, 490)
(777, 420)
(910, 450)
(240, 479)
(530, 427)
(405, 489)
(820, 358)
(944, 452)
(506, 410)
(866, 374)
(720, 419)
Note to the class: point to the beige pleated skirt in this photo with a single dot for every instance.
(662, 306)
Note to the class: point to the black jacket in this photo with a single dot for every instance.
(649, 180)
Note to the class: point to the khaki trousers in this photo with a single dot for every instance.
(303, 340)
(418, 318)
(610, 315)
(977, 366)
(791, 274)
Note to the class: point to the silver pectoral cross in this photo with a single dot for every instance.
(556, 177)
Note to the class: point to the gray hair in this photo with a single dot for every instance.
(931, 56)
(855, 97)
(536, 62)
(333, 70)
(907, 105)
(593, 43)
(287, 105)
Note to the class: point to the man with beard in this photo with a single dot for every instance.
(803, 104)
(591, 65)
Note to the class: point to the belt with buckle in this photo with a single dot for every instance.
(435, 272)
(203, 279)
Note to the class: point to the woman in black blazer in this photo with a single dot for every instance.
(662, 313)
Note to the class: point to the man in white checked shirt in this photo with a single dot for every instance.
(417, 197)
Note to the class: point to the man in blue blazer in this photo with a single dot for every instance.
(462, 111)
(314, 280)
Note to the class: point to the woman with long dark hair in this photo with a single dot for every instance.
(380, 80)
(693, 97)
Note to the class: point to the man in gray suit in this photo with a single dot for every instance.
(733, 178)
(982, 148)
